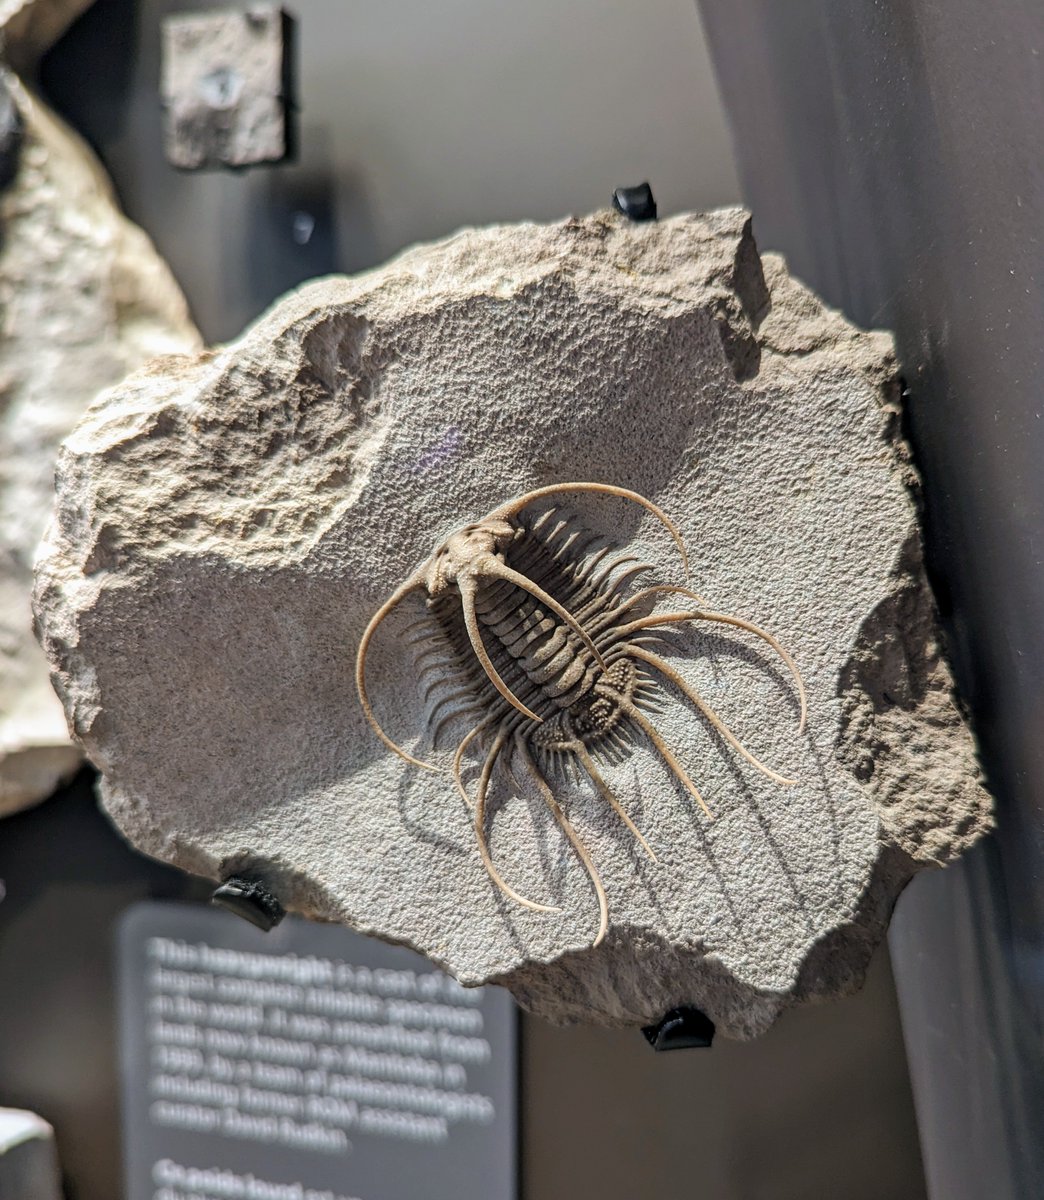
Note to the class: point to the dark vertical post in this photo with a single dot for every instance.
(893, 152)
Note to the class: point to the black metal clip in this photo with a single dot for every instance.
(680, 1029)
(636, 203)
(251, 900)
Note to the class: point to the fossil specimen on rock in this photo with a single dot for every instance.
(228, 524)
(565, 688)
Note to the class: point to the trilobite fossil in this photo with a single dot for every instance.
(533, 630)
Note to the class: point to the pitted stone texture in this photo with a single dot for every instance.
(85, 299)
(228, 524)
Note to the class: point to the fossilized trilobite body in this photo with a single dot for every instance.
(543, 661)
(534, 634)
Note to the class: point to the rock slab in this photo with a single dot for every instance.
(85, 299)
(227, 524)
(223, 82)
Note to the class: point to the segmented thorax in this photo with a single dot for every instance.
(541, 659)
(546, 650)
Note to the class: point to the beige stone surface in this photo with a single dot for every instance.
(85, 299)
(227, 524)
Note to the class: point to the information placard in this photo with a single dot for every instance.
(308, 1063)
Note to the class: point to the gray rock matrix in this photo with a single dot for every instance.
(227, 523)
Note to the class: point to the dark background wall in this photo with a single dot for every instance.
(894, 152)
(417, 118)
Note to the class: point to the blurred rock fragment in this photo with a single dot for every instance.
(224, 85)
(85, 300)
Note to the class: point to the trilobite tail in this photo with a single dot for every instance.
(621, 633)
(587, 762)
(521, 748)
(651, 732)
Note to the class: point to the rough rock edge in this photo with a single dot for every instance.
(546, 989)
(755, 339)
(896, 675)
